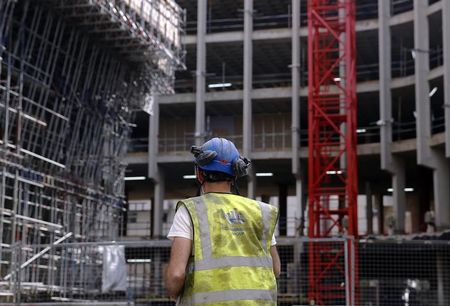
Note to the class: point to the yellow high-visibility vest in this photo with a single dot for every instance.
(231, 262)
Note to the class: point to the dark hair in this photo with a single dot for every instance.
(215, 176)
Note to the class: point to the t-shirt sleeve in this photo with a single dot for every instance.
(182, 224)
(274, 241)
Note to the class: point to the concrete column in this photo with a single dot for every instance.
(282, 206)
(301, 201)
(251, 183)
(422, 67)
(153, 131)
(379, 204)
(441, 191)
(433, 159)
(389, 162)
(200, 73)
(443, 278)
(158, 273)
(295, 66)
(299, 250)
(248, 77)
(446, 54)
(424, 199)
(399, 197)
(369, 209)
(295, 87)
(157, 205)
(384, 51)
(247, 91)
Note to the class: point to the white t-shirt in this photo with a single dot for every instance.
(182, 226)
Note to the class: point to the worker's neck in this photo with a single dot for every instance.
(224, 187)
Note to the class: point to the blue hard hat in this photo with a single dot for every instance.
(217, 154)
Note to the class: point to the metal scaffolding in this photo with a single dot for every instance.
(71, 74)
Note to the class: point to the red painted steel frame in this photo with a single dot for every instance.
(332, 165)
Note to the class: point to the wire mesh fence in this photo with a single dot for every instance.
(111, 273)
(400, 272)
(388, 272)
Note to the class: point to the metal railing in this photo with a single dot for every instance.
(401, 6)
(176, 144)
(403, 130)
(436, 57)
(365, 11)
(262, 20)
(281, 141)
(364, 72)
(276, 141)
(138, 144)
(437, 125)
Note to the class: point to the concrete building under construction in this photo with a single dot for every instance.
(243, 82)
(247, 80)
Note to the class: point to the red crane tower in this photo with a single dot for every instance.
(332, 165)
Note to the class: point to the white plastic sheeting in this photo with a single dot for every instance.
(114, 276)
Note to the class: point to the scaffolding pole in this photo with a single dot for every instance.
(69, 84)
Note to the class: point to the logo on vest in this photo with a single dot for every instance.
(235, 217)
(233, 221)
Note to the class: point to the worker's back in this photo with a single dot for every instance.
(231, 251)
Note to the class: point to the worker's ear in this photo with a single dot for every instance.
(199, 175)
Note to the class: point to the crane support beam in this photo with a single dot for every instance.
(332, 164)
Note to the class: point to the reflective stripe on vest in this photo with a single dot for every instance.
(258, 282)
(205, 235)
(235, 295)
(265, 210)
(233, 261)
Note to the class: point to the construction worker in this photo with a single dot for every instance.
(223, 246)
